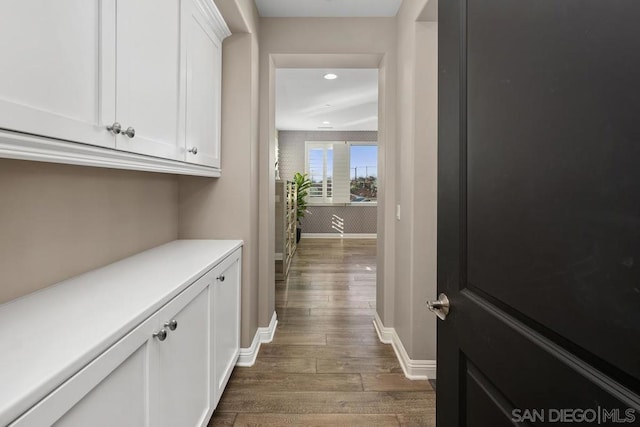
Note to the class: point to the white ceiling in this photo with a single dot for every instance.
(304, 99)
(327, 8)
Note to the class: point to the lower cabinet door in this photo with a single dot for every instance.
(112, 390)
(180, 381)
(120, 399)
(226, 321)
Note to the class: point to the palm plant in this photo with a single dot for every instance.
(303, 183)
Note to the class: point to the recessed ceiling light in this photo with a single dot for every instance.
(326, 122)
(330, 76)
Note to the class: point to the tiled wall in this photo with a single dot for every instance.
(340, 219)
(325, 219)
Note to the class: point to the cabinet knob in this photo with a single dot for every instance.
(130, 132)
(221, 277)
(172, 325)
(115, 128)
(193, 150)
(161, 334)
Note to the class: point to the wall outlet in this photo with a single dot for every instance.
(398, 212)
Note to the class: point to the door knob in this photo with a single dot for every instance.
(172, 325)
(130, 132)
(161, 334)
(440, 306)
(221, 278)
(115, 128)
(193, 150)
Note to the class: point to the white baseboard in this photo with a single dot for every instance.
(413, 369)
(263, 335)
(340, 236)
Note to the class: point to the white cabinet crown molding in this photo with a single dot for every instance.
(214, 18)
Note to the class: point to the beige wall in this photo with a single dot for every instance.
(325, 42)
(227, 207)
(416, 184)
(57, 221)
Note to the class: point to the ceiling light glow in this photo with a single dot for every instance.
(326, 122)
(330, 76)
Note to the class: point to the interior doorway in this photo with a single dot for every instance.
(324, 124)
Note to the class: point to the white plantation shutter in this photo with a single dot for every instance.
(315, 169)
(341, 179)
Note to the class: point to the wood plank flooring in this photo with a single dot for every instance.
(326, 366)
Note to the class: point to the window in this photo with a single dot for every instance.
(342, 172)
(363, 173)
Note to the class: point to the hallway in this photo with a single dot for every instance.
(326, 366)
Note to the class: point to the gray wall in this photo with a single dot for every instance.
(357, 219)
(416, 180)
(58, 221)
(226, 207)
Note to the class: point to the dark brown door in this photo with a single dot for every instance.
(539, 212)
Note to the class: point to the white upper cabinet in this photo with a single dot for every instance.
(57, 77)
(150, 84)
(204, 36)
(142, 77)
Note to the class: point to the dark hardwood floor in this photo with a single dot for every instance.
(326, 366)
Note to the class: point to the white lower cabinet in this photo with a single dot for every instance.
(225, 300)
(169, 371)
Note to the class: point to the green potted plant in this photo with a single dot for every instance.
(303, 183)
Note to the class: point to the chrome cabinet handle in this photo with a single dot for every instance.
(115, 128)
(172, 325)
(440, 306)
(193, 150)
(161, 335)
(130, 132)
(221, 277)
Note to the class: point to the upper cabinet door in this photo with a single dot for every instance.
(150, 82)
(57, 74)
(204, 34)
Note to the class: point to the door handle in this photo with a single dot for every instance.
(172, 325)
(115, 128)
(161, 334)
(130, 132)
(440, 306)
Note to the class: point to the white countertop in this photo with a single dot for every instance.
(47, 336)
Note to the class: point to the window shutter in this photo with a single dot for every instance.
(341, 178)
(315, 169)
